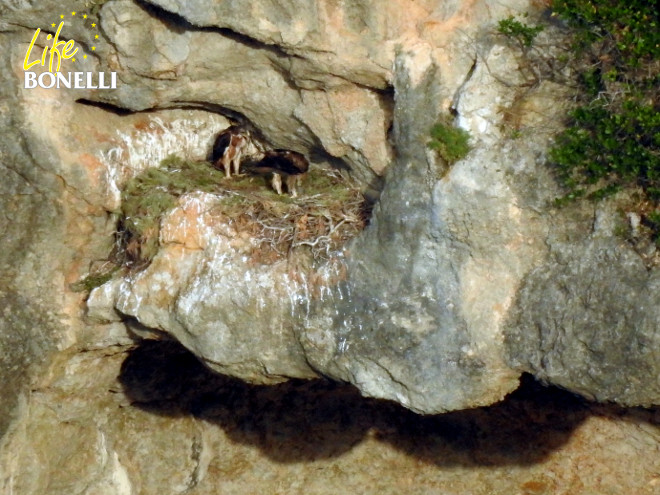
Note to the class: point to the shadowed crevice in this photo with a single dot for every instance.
(310, 420)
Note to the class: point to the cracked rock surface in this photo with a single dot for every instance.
(466, 277)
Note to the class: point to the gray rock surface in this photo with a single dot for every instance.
(466, 277)
(587, 320)
(426, 306)
(31, 249)
(433, 276)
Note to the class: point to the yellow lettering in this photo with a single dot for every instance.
(43, 55)
(56, 50)
(67, 48)
(26, 66)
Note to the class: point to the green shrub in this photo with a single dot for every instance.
(611, 148)
(522, 33)
(451, 143)
(612, 139)
(629, 31)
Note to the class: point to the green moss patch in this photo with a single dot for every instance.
(97, 278)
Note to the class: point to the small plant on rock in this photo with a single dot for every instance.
(451, 143)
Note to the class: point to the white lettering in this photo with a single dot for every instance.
(90, 81)
(79, 84)
(30, 80)
(64, 80)
(41, 80)
(47, 80)
(113, 81)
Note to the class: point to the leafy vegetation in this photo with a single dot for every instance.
(451, 143)
(522, 33)
(627, 32)
(537, 61)
(610, 149)
(612, 140)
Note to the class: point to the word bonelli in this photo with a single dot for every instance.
(57, 51)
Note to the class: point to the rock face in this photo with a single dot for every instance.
(466, 276)
(204, 290)
(587, 320)
(112, 421)
(436, 271)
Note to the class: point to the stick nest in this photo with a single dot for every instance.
(330, 211)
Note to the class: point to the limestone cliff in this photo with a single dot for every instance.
(465, 277)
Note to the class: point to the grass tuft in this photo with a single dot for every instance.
(451, 143)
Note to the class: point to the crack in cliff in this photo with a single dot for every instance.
(282, 55)
(108, 107)
(197, 451)
(179, 24)
(466, 80)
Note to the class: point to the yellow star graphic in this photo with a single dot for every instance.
(53, 24)
(73, 13)
(84, 56)
(93, 25)
(62, 16)
(93, 48)
(74, 59)
(96, 36)
(84, 16)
